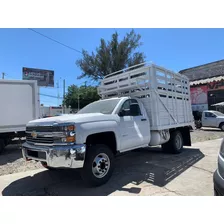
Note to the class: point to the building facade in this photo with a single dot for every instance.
(207, 85)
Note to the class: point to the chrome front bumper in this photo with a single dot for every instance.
(66, 156)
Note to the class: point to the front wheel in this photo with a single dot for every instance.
(175, 144)
(98, 166)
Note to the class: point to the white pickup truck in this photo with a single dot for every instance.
(146, 106)
(214, 119)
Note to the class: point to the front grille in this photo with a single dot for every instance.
(43, 134)
(40, 128)
(40, 135)
(42, 140)
(44, 128)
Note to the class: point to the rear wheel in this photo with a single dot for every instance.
(99, 165)
(2, 146)
(221, 126)
(175, 144)
(198, 124)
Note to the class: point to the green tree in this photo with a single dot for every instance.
(85, 94)
(111, 56)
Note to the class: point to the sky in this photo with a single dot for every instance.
(174, 49)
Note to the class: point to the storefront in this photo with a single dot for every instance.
(199, 98)
(215, 94)
(207, 85)
(205, 95)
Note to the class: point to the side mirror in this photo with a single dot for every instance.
(121, 113)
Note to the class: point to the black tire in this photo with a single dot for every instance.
(172, 146)
(221, 126)
(87, 172)
(198, 125)
(2, 146)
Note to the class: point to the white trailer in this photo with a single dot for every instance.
(19, 100)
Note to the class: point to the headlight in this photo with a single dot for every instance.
(222, 148)
(68, 139)
(69, 134)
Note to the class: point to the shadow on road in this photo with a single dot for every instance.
(143, 165)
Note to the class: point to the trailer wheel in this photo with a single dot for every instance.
(175, 144)
(98, 166)
(2, 146)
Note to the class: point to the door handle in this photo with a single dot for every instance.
(143, 119)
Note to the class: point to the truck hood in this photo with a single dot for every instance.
(76, 118)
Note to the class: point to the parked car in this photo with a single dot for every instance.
(211, 118)
(218, 177)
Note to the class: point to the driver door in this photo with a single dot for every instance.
(134, 130)
(210, 119)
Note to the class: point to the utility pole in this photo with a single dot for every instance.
(78, 99)
(3, 75)
(63, 96)
(58, 92)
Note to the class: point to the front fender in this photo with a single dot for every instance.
(85, 129)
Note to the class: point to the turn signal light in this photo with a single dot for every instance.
(70, 139)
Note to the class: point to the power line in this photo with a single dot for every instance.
(71, 48)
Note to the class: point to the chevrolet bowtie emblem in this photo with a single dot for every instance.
(34, 134)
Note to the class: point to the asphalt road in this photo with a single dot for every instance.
(141, 172)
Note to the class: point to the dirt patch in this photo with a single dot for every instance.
(11, 161)
(205, 134)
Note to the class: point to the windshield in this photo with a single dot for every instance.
(101, 106)
(217, 113)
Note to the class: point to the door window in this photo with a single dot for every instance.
(209, 114)
(126, 107)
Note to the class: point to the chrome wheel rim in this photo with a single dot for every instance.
(101, 165)
(178, 142)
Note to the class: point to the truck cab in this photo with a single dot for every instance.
(214, 119)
